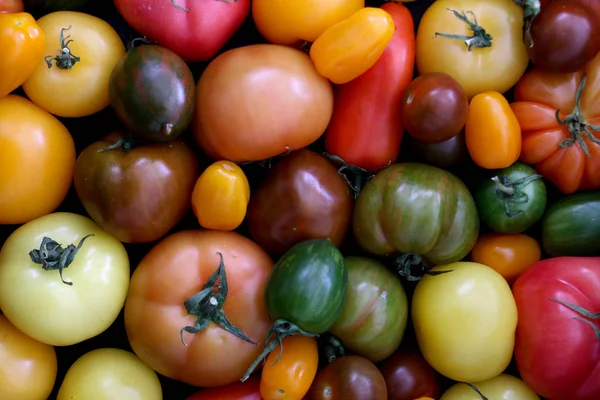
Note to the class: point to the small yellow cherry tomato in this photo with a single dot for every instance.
(27, 367)
(349, 48)
(221, 195)
(71, 79)
(290, 377)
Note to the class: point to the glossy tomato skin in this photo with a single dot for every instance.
(308, 286)
(242, 90)
(63, 314)
(494, 68)
(558, 353)
(373, 321)
(247, 390)
(173, 271)
(136, 195)
(447, 154)
(569, 226)
(348, 377)
(193, 30)
(302, 197)
(465, 321)
(434, 107)
(503, 386)
(549, 144)
(366, 128)
(512, 199)
(285, 23)
(564, 36)
(107, 372)
(38, 161)
(82, 86)
(408, 376)
(416, 208)
(28, 368)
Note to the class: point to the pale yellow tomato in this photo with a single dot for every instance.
(81, 52)
(465, 321)
(27, 367)
(501, 387)
(110, 374)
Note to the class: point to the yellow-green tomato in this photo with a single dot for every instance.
(465, 321)
(68, 308)
(501, 387)
(110, 374)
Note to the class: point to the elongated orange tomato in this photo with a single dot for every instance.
(349, 48)
(509, 255)
(291, 376)
(22, 42)
(492, 131)
(220, 197)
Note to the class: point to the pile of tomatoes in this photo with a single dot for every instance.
(319, 200)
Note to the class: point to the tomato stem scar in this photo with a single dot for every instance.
(64, 58)
(480, 37)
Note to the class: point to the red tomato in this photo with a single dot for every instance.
(195, 30)
(366, 127)
(247, 390)
(11, 6)
(557, 345)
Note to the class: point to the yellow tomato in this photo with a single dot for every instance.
(27, 367)
(492, 131)
(37, 161)
(349, 48)
(497, 57)
(505, 387)
(81, 52)
(107, 374)
(221, 195)
(465, 321)
(22, 43)
(291, 22)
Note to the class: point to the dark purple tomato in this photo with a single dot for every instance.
(434, 107)
(303, 197)
(348, 378)
(408, 376)
(564, 36)
(447, 154)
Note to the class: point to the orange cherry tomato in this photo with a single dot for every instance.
(11, 6)
(37, 161)
(220, 197)
(349, 48)
(492, 131)
(22, 42)
(291, 376)
(509, 255)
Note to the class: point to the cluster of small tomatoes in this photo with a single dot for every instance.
(300, 200)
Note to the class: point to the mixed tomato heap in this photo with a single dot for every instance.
(300, 200)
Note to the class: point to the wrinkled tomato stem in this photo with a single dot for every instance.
(531, 8)
(126, 144)
(480, 37)
(413, 267)
(356, 177)
(207, 306)
(64, 59)
(584, 313)
(330, 347)
(511, 192)
(52, 256)
(174, 3)
(279, 331)
(476, 390)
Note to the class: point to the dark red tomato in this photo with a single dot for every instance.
(366, 128)
(136, 194)
(593, 4)
(247, 390)
(195, 30)
(564, 36)
(557, 347)
(408, 376)
(447, 154)
(348, 378)
(434, 107)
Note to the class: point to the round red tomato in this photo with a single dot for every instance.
(188, 339)
(557, 345)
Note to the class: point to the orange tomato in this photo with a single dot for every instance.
(509, 255)
(291, 376)
(22, 42)
(293, 22)
(349, 48)
(492, 131)
(38, 158)
(11, 6)
(221, 195)
(27, 367)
